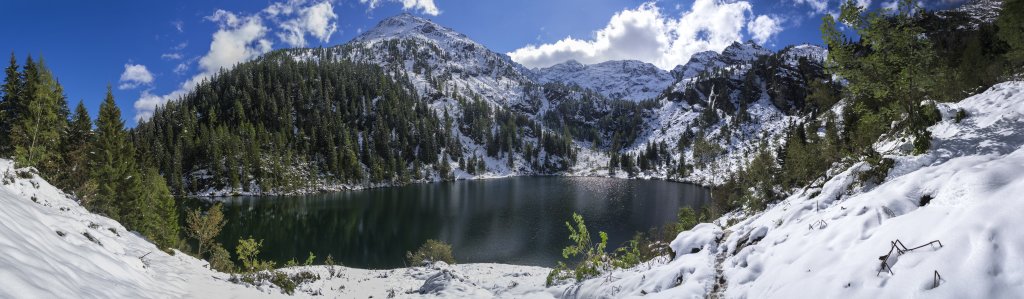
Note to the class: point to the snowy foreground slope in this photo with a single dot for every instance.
(823, 242)
(51, 247)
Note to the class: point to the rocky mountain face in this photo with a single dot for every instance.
(607, 108)
(625, 79)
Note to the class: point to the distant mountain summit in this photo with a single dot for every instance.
(406, 26)
(618, 79)
(735, 54)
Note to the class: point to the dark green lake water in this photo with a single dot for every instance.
(519, 220)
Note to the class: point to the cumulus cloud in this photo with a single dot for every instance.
(238, 38)
(296, 21)
(135, 75)
(763, 27)
(648, 35)
(241, 38)
(423, 6)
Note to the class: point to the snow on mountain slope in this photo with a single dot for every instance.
(406, 25)
(825, 241)
(438, 60)
(740, 53)
(793, 54)
(51, 247)
(626, 79)
(735, 54)
(700, 62)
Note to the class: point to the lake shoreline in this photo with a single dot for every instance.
(221, 195)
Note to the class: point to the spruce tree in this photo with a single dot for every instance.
(1011, 29)
(11, 93)
(74, 152)
(890, 68)
(113, 166)
(160, 217)
(36, 131)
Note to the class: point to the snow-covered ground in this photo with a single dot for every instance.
(823, 242)
(51, 247)
(826, 241)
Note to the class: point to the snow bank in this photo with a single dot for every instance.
(826, 241)
(51, 247)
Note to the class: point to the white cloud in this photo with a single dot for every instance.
(135, 75)
(763, 27)
(817, 6)
(832, 6)
(648, 35)
(423, 6)
(181, 68)
(238, 39)
(148, 102)
(171, 56)
(178, 25)
(317, 20)
(241, 38)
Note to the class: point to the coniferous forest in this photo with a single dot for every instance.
(278, 124)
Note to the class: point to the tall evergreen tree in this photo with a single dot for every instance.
(73, 174)
(159, 219)
(11, 93)
(36, 131)
(891, 68)
(113, 166)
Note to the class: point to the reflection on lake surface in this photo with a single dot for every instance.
(519, 220)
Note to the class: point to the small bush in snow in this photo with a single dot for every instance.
(431, 251)
(594, 260)
(205, 227)
(247, 252)
(220, 259)
(879, 168)
(282, 280)
(309, 259)
(643, 247)
(960, 115)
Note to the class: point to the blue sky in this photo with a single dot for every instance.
(149, 51)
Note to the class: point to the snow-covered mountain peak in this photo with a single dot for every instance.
(405, 25)
(698, 63)
(747, 52)
(793, 54)
(617, 79)
(735, 54)
(982, 10)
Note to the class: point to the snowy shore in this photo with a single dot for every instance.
(822, 242)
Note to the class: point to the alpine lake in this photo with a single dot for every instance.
(516, 220)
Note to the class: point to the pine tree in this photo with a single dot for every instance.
(113, 166)
(8, 102)
(890, 68)
(159, 219)
(74, 151)
(35, 132)
(1011, 29)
